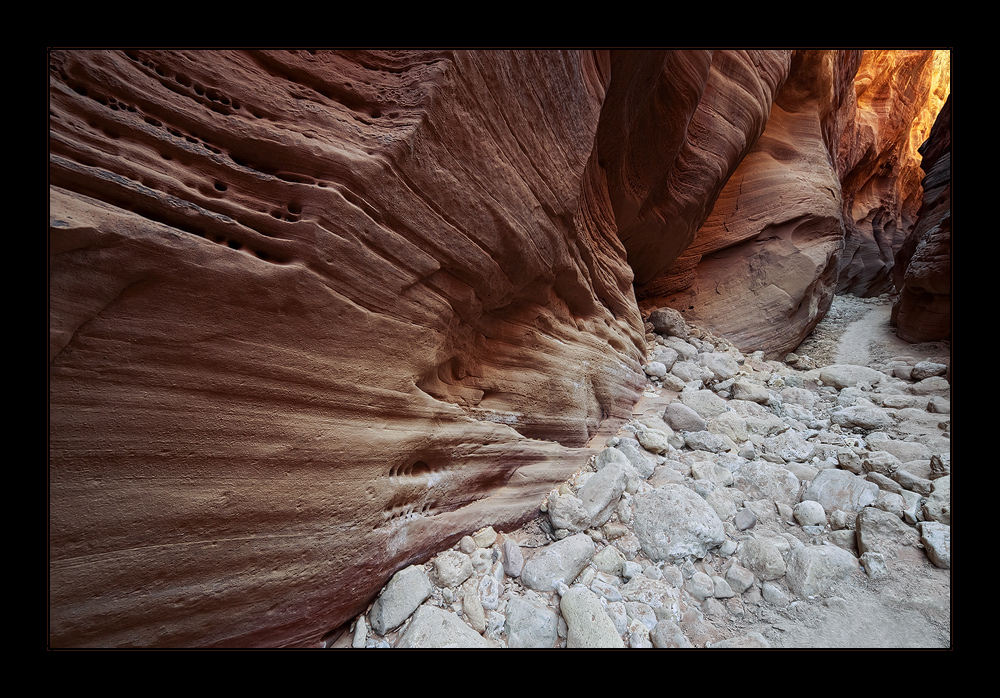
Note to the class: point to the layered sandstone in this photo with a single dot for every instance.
(923, 269)
(763, 266)
(314, 315)
(897, 96)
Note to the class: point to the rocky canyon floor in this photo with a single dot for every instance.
(811, 504)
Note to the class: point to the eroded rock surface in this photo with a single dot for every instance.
(315, 315)
(897, 95)
(312, 314)
(771, 244)
(923, 272)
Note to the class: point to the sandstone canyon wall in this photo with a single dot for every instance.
(311, 316)
(762, 268)
(923, 270)
(897, 95)
(315, 315)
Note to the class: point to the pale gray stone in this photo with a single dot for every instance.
(938, 504)
(809, 513)
(643, 464)
(666, 356)
(662, 595)
(451, 568)
(863, 417)
(655, 369)
(841, 489)
(751, 392)
(489, 592)
(731, 425)
(874, 564)
(667, 634)
(722, 589)
(606, 589)
(707, 441)
(529, 626)
(935, 385)
(774, 594)
(609, 560)
(472, 607)
(638, 636)
(682, 418)
(936, 538)
(567, 512)
(744, 519)
(436, 628)
(691, 372)
(927, 369)
(654, 440)
(891, 502)
(513, 558)
(844, 538)
(763, 558)
(706, 403)
(407, 589)
(609, 455)
(938, 405)
(848, 375)
(882, 462)
(798, 396)
(485, 537)
(750, 640)
(673, 522)
(587, 623)
(883, 532)
(641, 612)
(700, 585)
(789, 446)
(716, 474)
(907, 480)
(600, 494)
(739, 578)
(672, 382)
(813, 569)
(723, 366)
(560, 561)
(763, 480)
(360, 636)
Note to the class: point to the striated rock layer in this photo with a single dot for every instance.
(763, 267)
(923, 270)
(312, 316)
(888, 115)
(316, 315)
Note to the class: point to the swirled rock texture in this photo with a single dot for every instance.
(763, 266)
(923, 270)
(888, 115)
(314, 315)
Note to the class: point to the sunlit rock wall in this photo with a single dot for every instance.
(897, 96)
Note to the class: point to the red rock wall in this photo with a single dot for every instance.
(923, 266)
(763, 266)
(312, 317)
(897, 95)
(315, 315)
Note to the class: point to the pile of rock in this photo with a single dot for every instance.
(744, 484)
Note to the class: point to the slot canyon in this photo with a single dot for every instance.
(317, 315)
